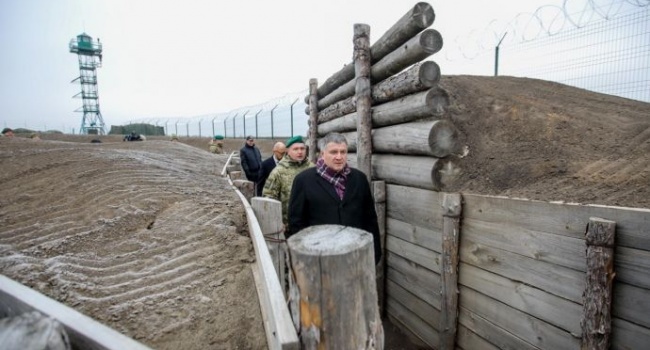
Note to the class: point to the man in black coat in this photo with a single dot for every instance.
(333, 193)
(269, 164)
(250, 159)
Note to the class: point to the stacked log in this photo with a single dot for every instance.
(411, 138)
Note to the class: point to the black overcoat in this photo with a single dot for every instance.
(314, 201)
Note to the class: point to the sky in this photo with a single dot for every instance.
(186, 58)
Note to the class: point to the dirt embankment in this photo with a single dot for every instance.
(142, 236)
(542, 140)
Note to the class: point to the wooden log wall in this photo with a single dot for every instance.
(523, 274)
(522, 269)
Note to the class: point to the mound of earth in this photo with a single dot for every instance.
(141, 236)
(541, 140)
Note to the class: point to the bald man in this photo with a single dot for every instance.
(279, 149)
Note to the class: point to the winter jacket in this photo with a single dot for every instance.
(251, 161)
(278, 184)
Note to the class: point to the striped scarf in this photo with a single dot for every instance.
(338, 179)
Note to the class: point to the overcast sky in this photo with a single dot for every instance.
(194, 57)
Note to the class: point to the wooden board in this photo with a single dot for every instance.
(632, 266)
(281, 328)
(423, 310)
(527, 328)
(563, 219)
(83, 331)
(427, 238)
(489, 333)
(632, 304)
(626, 335)
(417, 254)
(543, 246)
(412, 323)
(421, 282)
(558, 280)
(414, 206)
(547, 307)
(468, 340)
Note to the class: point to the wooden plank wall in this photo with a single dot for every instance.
(522, 271)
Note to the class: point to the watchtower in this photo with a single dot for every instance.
(90, 58)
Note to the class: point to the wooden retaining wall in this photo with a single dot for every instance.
(485, 272)
(522, 271)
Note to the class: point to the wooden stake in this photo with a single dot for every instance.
(597, 298)
(364, 122)
(313, 119)
(334, 291)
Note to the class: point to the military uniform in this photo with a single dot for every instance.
(216, 144)
(278, 185)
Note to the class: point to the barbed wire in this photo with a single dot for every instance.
(546, 20)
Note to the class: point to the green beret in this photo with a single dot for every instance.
(218, 137)
(295, 139)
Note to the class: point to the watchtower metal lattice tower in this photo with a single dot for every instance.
(90, 58)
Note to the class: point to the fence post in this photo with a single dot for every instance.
(313, 118)
(452, 207)
(273, 109)
(361, 56)
(269, 214)
(334, 297)
(256, 128)
(294, 102)
(597, 297)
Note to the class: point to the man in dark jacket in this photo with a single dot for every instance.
(333, 193)
(269, 164)
(251, 159)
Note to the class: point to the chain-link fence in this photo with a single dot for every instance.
(278, 118)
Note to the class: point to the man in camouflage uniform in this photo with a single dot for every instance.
(278, 185)
(216, 144)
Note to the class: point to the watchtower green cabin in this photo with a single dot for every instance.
(89, 53)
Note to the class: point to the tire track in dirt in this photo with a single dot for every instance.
(141, 236)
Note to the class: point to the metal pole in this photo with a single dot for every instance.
(276, 106)
(187, 129)
(234, 134)
(496, 56)
(167, 126)
(294, 102)
(225, 134)
(200, 120)
(177, 128)
(256, 114)
(245, 122)
(213, 133)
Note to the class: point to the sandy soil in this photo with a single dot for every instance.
(142, 236)
(541, 140)
(146, 238)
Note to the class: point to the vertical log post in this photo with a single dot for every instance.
(269, 215)
(334, 295)
(364, 101)
(313, 119)
(451, 203)
(597, 298)
(379, 194)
